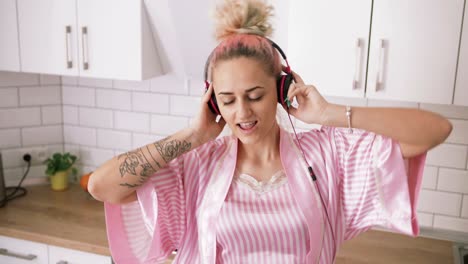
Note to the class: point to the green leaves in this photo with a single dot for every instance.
(60, 162)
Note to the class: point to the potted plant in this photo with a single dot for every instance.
(59, 167)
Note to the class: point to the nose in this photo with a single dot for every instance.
(243, 109)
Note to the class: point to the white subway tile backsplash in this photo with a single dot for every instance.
(459, 132)
(133, 85)
(95, 117)
(95, 156)
(10, 138)
(8, 79)
(453, 180)
(20, 117)
(169, 84)
(448, 155)
(73, 149)
(439, 202)
(94, 82)
(425, 219)
(69, 80)
(140, 140)
(429, 180)
(465, 206)
(197, 87)
(37, 171)
(114, 99)
(51, 115)
(167, 125)
(9, 97)
(70, 115)
(388, 103)
(12, 158)
(45, 79)
(45, 95)
(185, 105)
(346, 101)
(73, 95)
(42, 135)
(448, 111)
(79, 135)
(451, 223)
(12, 176)
(114, 139)
(150, 102)
(137, 122)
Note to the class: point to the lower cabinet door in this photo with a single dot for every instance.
(18, 251)
(59, 255)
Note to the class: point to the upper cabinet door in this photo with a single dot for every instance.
(48, 36)
(9, 48)
(115, 40)
(413, 50)
(461, 87)
(328, 42)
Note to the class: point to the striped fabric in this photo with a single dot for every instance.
(265, 225)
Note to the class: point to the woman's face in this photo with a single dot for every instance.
(246, 97)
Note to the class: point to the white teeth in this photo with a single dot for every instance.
(247, 125)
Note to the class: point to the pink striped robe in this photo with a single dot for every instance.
(363, 179)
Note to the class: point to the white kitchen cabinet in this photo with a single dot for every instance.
(414, 49)
(59, 255)
(328, 42)
(9, 49)
(330, 45)
(461, 86)
(102, 39)
(18, 251)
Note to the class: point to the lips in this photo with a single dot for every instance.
(247, 125)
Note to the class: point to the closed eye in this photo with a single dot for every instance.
(250, 99)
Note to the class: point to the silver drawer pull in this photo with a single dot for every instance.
(5, 252)
(62, 262)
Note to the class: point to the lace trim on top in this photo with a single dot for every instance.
(276, 181)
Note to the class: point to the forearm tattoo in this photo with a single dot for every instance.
(170, 149)
(133, 160)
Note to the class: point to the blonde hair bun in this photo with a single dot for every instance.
(243, 17)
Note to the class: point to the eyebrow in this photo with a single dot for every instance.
(247, 91)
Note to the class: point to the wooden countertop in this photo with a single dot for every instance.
(70, 219)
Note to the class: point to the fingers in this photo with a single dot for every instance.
(207, 95)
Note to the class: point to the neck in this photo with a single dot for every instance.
(264, 150)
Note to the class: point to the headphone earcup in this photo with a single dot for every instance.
(212, 103)
(282, 87)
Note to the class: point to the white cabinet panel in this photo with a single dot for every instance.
(9, 49)
(328, 42)
(45, 45)
(417, 61)
(17, 251)
(102, 39)
(461, 88)
(69, 256)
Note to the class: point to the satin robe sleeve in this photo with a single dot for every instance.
(377, 187)
(150, 228)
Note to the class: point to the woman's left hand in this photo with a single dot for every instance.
(311, 104)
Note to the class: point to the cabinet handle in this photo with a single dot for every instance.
(5, 252)
(62, 262)
(379, 80)
(357, 67)
(84, 44)
(68, 47)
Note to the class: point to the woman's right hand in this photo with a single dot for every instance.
(205, 126)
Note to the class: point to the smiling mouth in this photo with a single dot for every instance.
(247, 125)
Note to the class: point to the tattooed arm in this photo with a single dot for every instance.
(118, 178)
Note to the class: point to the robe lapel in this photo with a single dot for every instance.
(304, 192)
(216, 192)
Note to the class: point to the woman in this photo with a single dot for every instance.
(250, 197)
